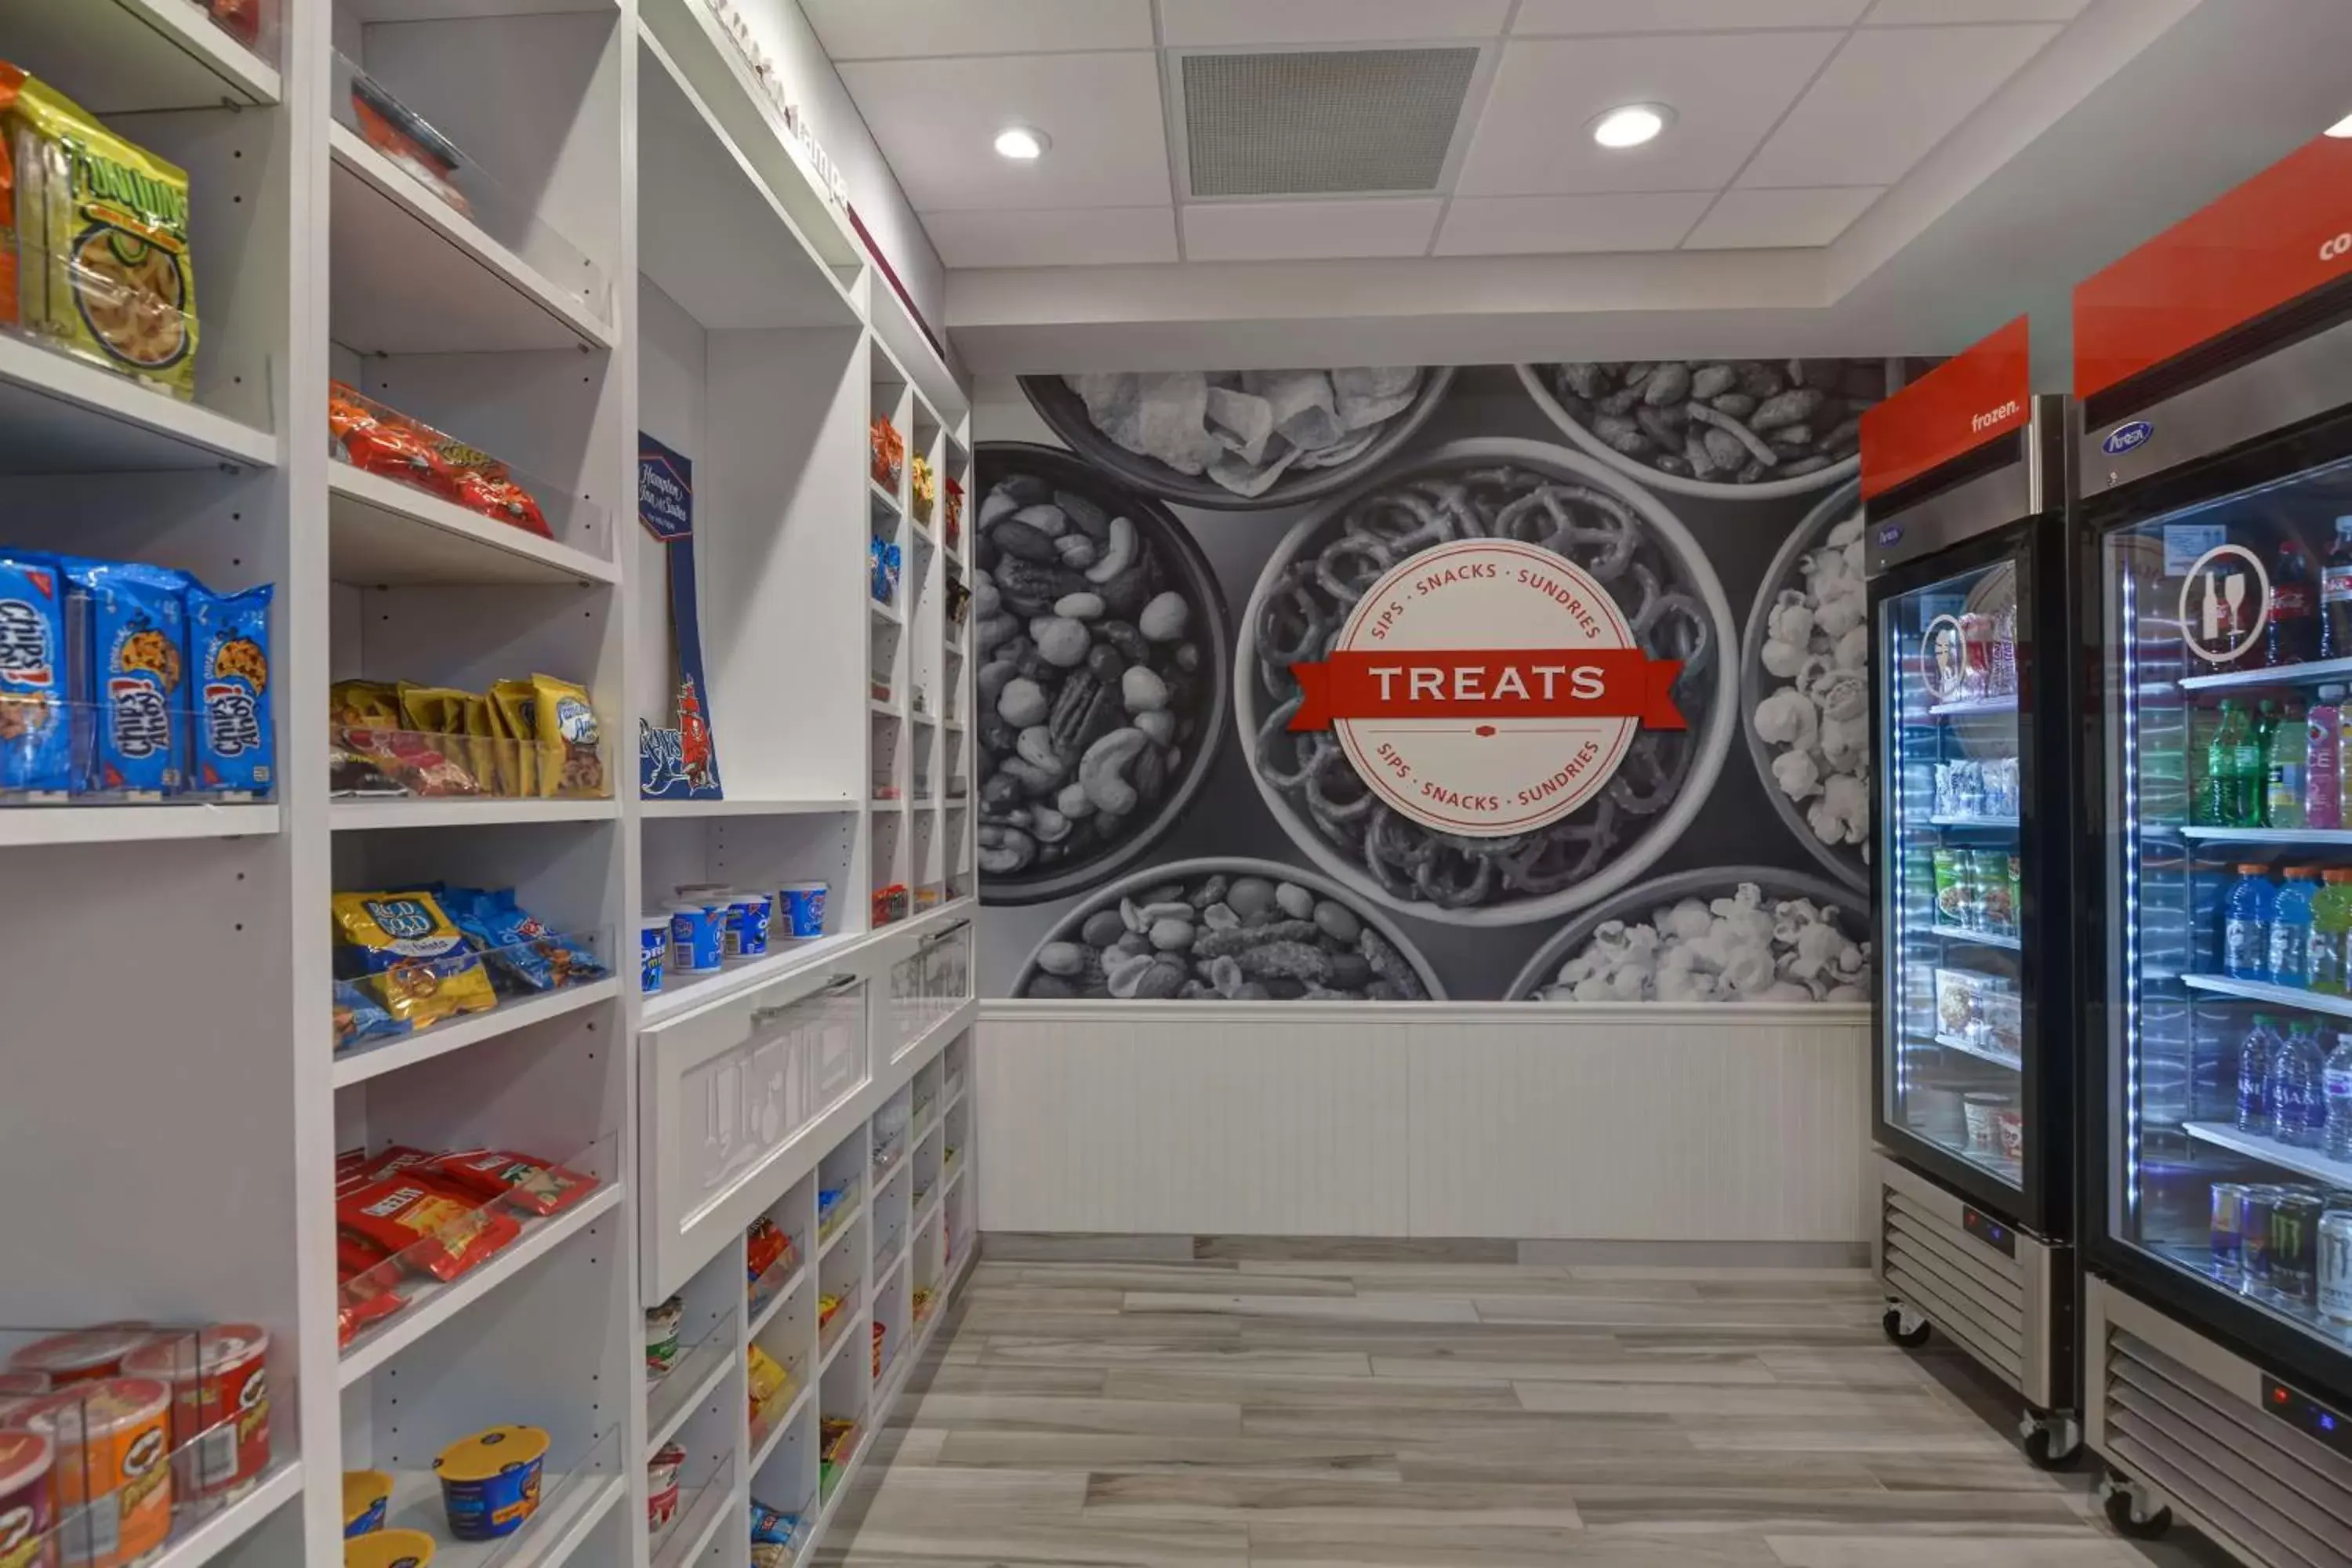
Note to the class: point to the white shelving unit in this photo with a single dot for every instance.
(648, 253)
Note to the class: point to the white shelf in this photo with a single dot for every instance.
(391, 1055)
(432, 1303)
(59, 415)
(885, 709)
(205, 1537)
(381, 531)
(2302, 1161)
(2315, 837)
(22, 826)
(2009, 822)
(749, 806)
(545, 1540)
(412, 274)
(1977, 938)
(852, 1310)
(883, 611)
(691, 1531)
(767, 1315)
(783, 1424)
(669, 1402)
(883, 497)
(2004, 703)
(683, 993)
(2276, 995)
(2317, 672)
(124, 56)
(1982, 1053)
(469, 811)
(857, 1211)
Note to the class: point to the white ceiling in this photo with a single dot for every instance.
(1791, 119)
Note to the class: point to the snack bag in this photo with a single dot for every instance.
(570, 751)
(360, 1016)
(765, 1376)
(36, 724)
(516, 705)
(439, 717)
(241, 17)
(134, 626)
(773, 1532)
(362, 1302)
(372, 752)
(532, 1185)
(377, 441)
(518, 946)
(422, 966)
(235, 742)
(102, 230)
(473, 716)
(429, 1228)
(403, 135)
(765, 1245)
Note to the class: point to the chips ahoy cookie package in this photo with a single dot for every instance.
(133, 623)
(235, 741)
(36, 730)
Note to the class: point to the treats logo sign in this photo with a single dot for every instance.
(1486, 688)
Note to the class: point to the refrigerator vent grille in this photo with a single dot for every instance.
(1968, 1291)
(2280, 1497)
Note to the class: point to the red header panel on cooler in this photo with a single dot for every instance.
(2281, 235)
(1983, 392)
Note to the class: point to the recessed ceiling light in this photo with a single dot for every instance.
(1021, 144)
(1632, 125)
(2342, 129)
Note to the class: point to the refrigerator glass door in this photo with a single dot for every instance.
(1950, 922)
(2228, 867)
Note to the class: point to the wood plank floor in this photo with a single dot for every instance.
(1240, 1411)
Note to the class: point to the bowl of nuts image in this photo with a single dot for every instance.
(1104, 654)
(1227, 929)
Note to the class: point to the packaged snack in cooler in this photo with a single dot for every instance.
(235, 740)
(774, 1532)
(1952, 896)
(419, 959)
(404, 136)
(101, 232)
(360, 1017)
(571, 742)
(1989, 875)
(765, 1377)
(136, 633)
(661, 1336)
(35, 725)
(1955, 1001)
(661, 1485)
(429, 1227)
(389, 1549)
(765, 1245)
(367, 1499)
(491, 1481)
(532, 1185)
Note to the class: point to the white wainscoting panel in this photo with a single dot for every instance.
(1657, 1123)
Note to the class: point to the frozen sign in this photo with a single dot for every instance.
(1486, 688)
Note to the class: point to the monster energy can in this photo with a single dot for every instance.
(2335, 1259)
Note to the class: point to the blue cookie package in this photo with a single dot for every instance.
(520, 950)
(235, 741)
(360, 1016)
(136, 634)
(35, 726)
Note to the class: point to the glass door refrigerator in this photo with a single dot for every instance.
(2215, 553)
(1972, 1058)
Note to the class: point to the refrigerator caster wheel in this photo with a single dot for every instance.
(1905, 1327)
(2051, 1442)
(2127, 1510)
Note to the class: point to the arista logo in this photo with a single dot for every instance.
(1992, 417)
(2124, 437)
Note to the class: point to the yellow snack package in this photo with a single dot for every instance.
(414, 955)
(514, 708)
(489, 763)
(765, 1376)
(101, 236)
(571, 741)
(365, 704)
(443, 713)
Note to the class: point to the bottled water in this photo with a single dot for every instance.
(2290, 942)
(2298, 1113)
(2254, 1054)
(2246, 926)
(2335, 1081)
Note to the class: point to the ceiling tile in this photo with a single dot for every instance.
(1190, 23)
(1541, 17)
(1726, 92)
(886, 30)
(1542, 226)
(1304, 231)
(1889, 96)
(1759, 220)
(936, 121)
(1888, 12)
(1061, 237)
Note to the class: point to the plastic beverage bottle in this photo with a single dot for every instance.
(2291, 633)
(2232, 764)
(2336, 596)
(2336, 1089)
(2323, 782)
(2286, 766)
(2290, 941)
(2254, 1054)
(2246, 925)
(2203, 725)
(2331, 928)
(2298, 1113)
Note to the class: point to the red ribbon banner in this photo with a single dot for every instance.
(1494, 684)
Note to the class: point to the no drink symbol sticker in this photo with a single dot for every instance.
(2225, 602)
(1486, 688)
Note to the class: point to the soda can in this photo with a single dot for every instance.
(2227, 1241)
(2254, 1233)
(2335, 1281)
(1976, 652)
(2295, 1244)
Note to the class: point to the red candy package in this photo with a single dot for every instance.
(400, 1212)
(361, 1302)
(527, 1183)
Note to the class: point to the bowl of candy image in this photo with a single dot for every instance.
(1729, 935)
(1725, 429)
(1239, 440)
(1539, 494)
(1804, 686)
(1228, 929)
(1102, 644)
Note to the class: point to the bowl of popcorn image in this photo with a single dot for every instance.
(1226, 929)
(1729, 935)
(1805, 686)
(1535, 493)
(1239, 440)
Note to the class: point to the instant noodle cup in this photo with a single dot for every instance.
(112, 1439)
(85, 1355)
(367, 1500)
(489, 1481)
(389, 1549)
(220, 1406)
(28, 1479)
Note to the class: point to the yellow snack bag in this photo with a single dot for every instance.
(101, 231)
(514, 707)
(414, 955)
(765, 1377)
(571, 741)
(442, 712)
(364, 704)
(488, 766)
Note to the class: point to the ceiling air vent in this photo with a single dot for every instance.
(1314, 123)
